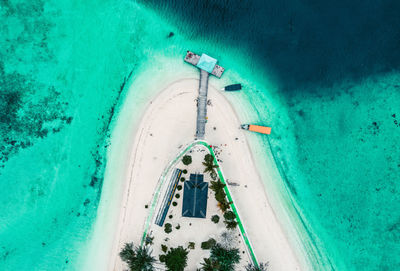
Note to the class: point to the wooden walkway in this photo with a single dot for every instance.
(202, 105)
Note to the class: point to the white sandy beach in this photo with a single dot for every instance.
(167, 125)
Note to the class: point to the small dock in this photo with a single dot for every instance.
(207, 66)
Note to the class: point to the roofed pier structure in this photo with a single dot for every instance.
(207, 65)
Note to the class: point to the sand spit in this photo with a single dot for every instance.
(169, 124)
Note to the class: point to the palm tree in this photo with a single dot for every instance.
(137, 258)
(217, 186)
(209, 164)
(261, 267)
(210, 265)
(176, 259)
(227, 258)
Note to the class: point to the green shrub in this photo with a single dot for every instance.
(164, 248)
(178, 227)
(224, 205)
(229, 215)
(220, 196)
(174, 203)
(179, 187)
(168, 227)
(182, 179)
(177, 196)
(184, 171)
(187, 160)
(208, 244)
(170, 216)
(215, 219)
(162, 258)
(191, 245)
(149, 240)
(230, 224)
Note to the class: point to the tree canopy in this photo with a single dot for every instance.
(137, 258)
(187, 160)
(226, 258)
(176, 259)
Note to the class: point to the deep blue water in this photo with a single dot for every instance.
(307, 44)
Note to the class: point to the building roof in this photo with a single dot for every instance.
(206, 63)
(195, 194)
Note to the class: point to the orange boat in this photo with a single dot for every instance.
(257, 128)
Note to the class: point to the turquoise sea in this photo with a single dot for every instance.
(334, 67)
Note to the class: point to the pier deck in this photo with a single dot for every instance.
(202, 105)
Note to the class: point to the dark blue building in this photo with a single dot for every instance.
(195, 197)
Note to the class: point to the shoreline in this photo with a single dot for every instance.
(140, 130)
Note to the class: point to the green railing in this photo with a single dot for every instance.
(226, 189)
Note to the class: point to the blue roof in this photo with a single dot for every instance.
(195, 194)
(206, 63)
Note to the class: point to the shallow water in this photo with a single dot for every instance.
(335, 67)
(63, 67)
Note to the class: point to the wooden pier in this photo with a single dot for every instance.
(202, 105)
(207, 65)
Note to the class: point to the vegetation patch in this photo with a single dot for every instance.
(164, 248)
(229, 215)
(137, 258)
(215, 219)
(174, 203)
(210, 166)
(218, 188)
(226, 258)
(162, 258)
(261, 267)
(208, 244)
(176, 259)
(191, 245)
(187, 160)
(168, 227)
(179, 187)
(230, 221)
(177, 196)
(149, 240)
(184, 171)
